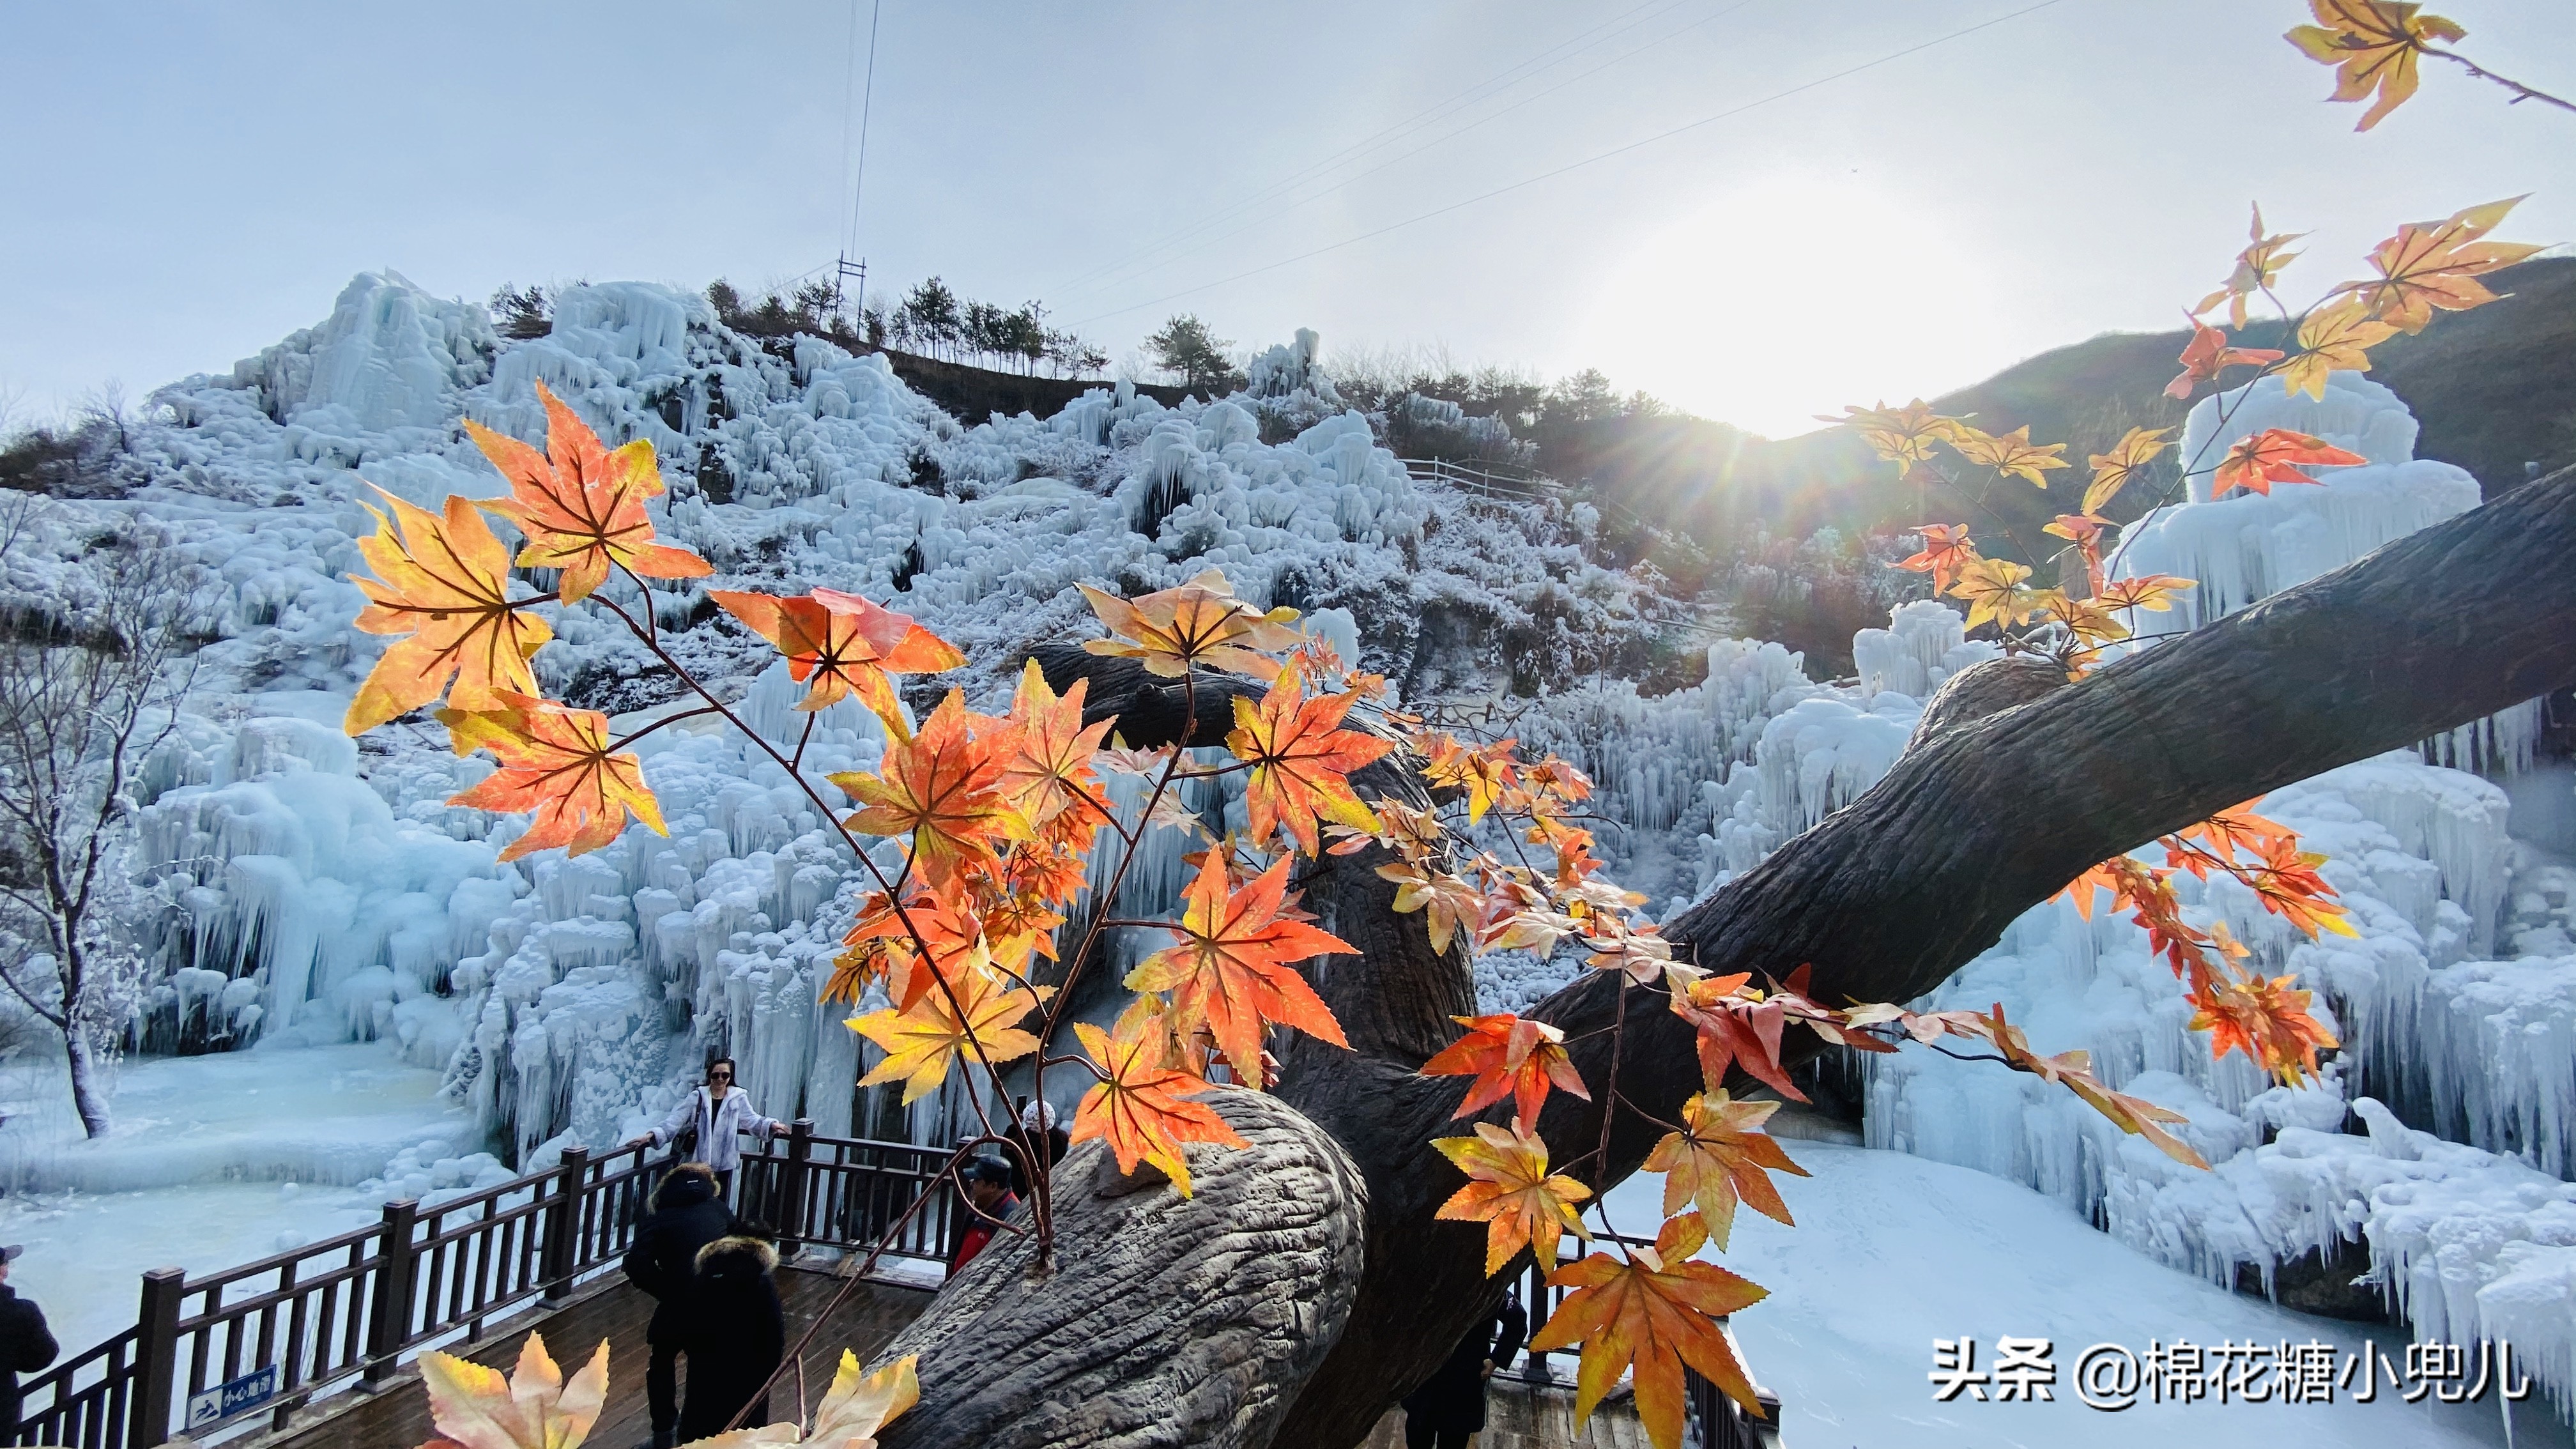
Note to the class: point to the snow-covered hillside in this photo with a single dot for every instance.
(331, 896)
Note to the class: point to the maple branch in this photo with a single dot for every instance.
(2521, 92)
(657, 724)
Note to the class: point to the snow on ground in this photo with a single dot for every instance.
(1892, 1251)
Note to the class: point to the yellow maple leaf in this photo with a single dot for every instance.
(1511, 1192)
(1996, 589)
(534, 1408)
(2372, 44)
(2336, 336)
(2012, 454)
(445, 581)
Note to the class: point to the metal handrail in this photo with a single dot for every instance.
(356, 1305)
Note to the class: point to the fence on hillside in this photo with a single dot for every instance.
(221, 1351)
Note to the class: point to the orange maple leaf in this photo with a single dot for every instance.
(1049, 773)
(446, 583)
(534, 1408)
(974, 1015)
(1300, 759)
(839, 644)
(944, 786)
(1508, 1057)
(581, 505)
(2012, 454)
(2275, 455)
(1198, 623)
(2113, 471)
(1484, 772)
(1446, 901)
(2207, 355)
(1996, 589)
(2257, 268)
(1231, 969)
(1903, 435)
(1655, 1309)
(1733, 1028)
(2372, 44)
(1945, 551)
(2338, 335)
(1718, 1157)
(556, 762)
(2152, 592)
(1511, 1192)
(2436, 264)
(1141, 1104)
(2267, 1019)
(2288, 885)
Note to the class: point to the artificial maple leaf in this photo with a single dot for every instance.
(2238, 829)
(2012, 454)
(1508, 1056)
(445, 581)
(858, 1405)
(1656, 1309)
(2088, 619)
(1732, 1028)
(1446, 901)
(1511, 1192)
(944, 787)
(581, 505)
(1300, 758)
(1231, 970)
(972, 1014)
(2153, 592)
(2288, 885)
(1198, 623)
(1718, 1157)
(2207, 355)
(2113, 471)
(2275, 455)
(1996, 589)
(2257, 268)
(556, 762)
(1141, 1105)
(1483, 772)
(2338, 335)
(839, 645)
(890, 942)
(1049, 769)
(1638, 950)
(1903, 435)
(2436, 264)
(1945, 551)
(1535, 931)
(2267, 1019)
(2372, 44)
(534, 1408)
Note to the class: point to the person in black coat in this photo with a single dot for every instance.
(26, 1345)
(1043, 1142)
(1450, 1405)
(737, 1336)
(687, 1215)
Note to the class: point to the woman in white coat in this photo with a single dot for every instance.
(716, 1112)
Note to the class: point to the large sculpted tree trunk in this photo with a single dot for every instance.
(1308, 1286)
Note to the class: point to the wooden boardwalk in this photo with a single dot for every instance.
(398, 1416)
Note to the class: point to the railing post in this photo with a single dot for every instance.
(156, 1359)
(561, 1255)
(791, 1211)
(390, 1318)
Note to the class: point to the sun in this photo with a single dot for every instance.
(1790, 295)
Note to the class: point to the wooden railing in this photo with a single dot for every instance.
(1485, 481)
(1718, 1422)
(348, 1310)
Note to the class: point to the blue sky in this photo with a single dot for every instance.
(190, 182)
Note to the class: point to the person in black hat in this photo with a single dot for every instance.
(687, 1215)
(986, 1184)
(26, 1345)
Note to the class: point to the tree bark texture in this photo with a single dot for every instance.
(2015, 784)
(1165, 1321)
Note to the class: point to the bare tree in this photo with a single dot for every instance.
(90, 684)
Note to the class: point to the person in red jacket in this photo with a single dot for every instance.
(986, 1184)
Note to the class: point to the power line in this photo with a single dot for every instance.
(1503, 79)
(1489, 116)
(867, 108)
(1549, 175)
